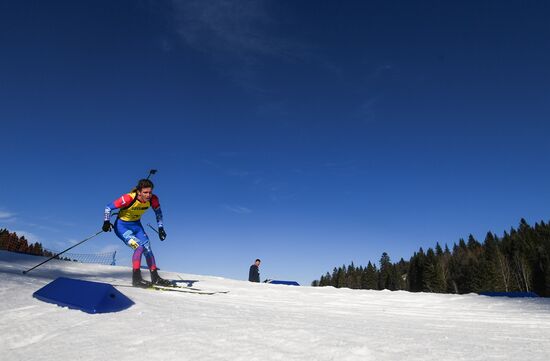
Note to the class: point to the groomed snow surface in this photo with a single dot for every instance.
(261, 322)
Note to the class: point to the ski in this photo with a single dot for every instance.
(184, 289)
(153, 287)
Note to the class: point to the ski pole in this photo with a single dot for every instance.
(153, 228)
(60, 253)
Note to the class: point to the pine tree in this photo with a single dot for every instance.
(370, 279)
(400, 271)
(384, 280)
(495, 270)
(341, 277)
(433, 279)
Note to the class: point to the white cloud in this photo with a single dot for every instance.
(382, 70)
(223, 25)
(6, 214)
(237, 36)
(237, 209)
(367, 110)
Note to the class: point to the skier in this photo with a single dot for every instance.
(128, 228)
(254, 272)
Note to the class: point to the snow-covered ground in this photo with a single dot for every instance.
(261, 322)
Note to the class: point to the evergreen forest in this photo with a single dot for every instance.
(10, 241)
(518, 261)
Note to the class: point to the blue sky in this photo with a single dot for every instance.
(306, 133)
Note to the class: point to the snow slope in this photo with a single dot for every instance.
(262, 322)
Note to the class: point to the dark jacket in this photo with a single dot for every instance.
(254, 274)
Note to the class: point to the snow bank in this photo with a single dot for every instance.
(258, 321)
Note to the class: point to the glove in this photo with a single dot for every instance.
(133, 244)
(162, 234)
(106, 226)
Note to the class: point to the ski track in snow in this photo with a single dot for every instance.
(262, 322)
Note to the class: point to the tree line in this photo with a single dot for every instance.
(518, 261)
(10, 241)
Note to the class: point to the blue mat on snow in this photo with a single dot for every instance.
(87, 296)
(280, 282)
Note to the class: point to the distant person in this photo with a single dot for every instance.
(254, 273)
(128, 228)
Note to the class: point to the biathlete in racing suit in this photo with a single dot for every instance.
(129, 229)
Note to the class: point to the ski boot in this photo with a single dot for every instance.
(138, 281)
(157, 280)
